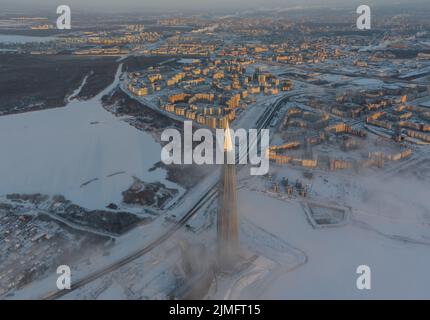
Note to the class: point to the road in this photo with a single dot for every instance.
(262, 122)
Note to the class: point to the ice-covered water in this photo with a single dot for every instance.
(56, 151)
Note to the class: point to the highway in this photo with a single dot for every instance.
(262, 123)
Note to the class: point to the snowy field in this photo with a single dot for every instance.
(399, 265)
(58, 151)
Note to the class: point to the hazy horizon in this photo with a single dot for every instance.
(193, 5)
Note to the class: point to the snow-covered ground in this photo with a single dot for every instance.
(56, 151)
(398, 262)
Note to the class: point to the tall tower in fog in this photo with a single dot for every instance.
(227, 226)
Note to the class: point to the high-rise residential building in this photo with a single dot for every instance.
(227, 220)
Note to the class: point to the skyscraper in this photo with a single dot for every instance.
(227, 225)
